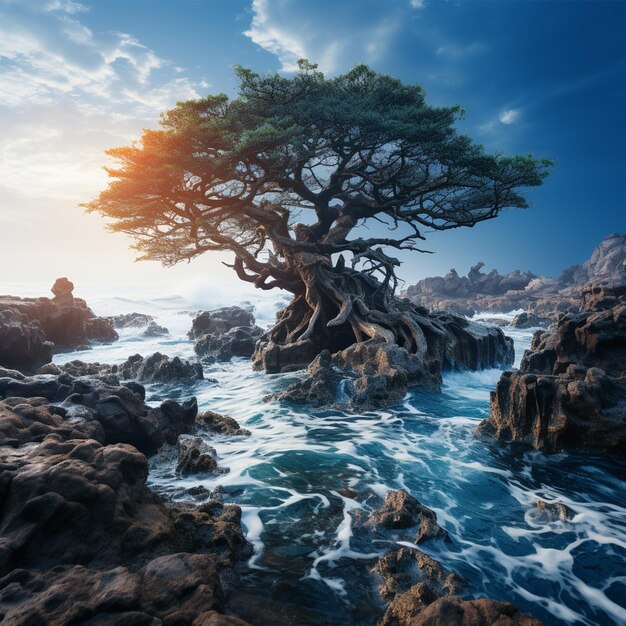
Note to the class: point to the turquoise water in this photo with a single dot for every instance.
(303, 476)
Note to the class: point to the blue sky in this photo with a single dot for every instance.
(76, 78)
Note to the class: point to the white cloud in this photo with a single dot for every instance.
(293, 31)
(509, 116)
(417, 4)
(456, 51)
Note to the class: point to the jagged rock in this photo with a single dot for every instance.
(527, 320)
(222, 424)
(74, 510)
(154, 330)
(118, 411)
(220, 321)
(196, 457)
(553, 511)
(402, 511)
(453, 611)
(570, 391)
(131, 320)
(239, 341)
(23, 344)
(547, 298)
(158, 368)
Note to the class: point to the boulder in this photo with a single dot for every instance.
(62, 290)
(402, 511)
(154, 330)
(552, 511)
(527, 320)
(196, 457)
(239, 341)
(221, 424)
(220, 321)
(158, 368)
(23, 343)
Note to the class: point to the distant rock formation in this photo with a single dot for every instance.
(31, 329)
(570, 390)
(546, 298)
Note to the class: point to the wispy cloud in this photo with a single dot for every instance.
(509, 116)
(293, 31)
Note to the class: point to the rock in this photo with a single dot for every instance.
(222, 424)
(31, 328)
(570, 391)
(452, 611)
(547, 298)
(158, 368)
(23, 344)
(75, 510)
(401, 511)
(62, 290)
(220, 321)
(375, 373)
(196, 457)
(108, 411)
(130, 320)
(239, 341)
(320, 387)
(553, 511)
(154, 330)
(527, 320)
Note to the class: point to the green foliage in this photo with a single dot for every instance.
(230, 174)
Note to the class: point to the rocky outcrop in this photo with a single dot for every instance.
(82, 539)
(552, 511)
(546, 298)
(225, 333)
(154, 330)
(109, 411)
(220, 424)
(402, 511)
(195, 456)
(570, 391)
(130, 320)
(375, 373)
(158, 368)
(31, 328)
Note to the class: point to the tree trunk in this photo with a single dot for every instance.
(338, 307)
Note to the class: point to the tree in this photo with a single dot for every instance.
(289, 175)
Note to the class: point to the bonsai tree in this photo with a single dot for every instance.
(312, 183)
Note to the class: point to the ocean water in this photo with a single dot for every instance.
(304, 474)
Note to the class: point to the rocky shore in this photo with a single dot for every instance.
(545, 298)
(570, 390)
(83, 539)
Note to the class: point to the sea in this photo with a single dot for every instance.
(305, 475)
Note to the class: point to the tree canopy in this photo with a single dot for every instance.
(283, 175)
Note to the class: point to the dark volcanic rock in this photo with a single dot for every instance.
(220, 321)
(110, 412)
(453, 611)
(23, 344)
(222, 424)
(74, 510)
(236, 342)
(374, 373)
(527, 320)
(401, 511)
(196, 457)
(158, 368)
(570, 392)
(27, 325)
(225, 333)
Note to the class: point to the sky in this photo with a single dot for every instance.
(76, 78)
